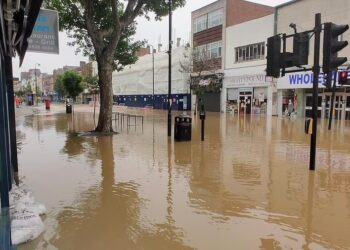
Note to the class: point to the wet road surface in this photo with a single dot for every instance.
(247, 186)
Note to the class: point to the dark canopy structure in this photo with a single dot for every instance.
(17, 20)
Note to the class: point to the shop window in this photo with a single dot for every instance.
(250, 52)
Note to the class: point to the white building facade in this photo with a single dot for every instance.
(246, 89)
(134, 85)
(298, 86)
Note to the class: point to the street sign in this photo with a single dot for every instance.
(44, 38)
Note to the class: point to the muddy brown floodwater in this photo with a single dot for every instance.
(247, 186)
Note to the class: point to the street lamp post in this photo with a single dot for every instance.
(169, 81)
(151, 46)
(36, 85)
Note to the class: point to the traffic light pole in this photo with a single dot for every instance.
(316, 72)
(332, 100)
(169, 80)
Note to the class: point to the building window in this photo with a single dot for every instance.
(200, 52)
(208, 21)
(215, 18)
(200, 23)
(250, 52)
(214, 49)
(211, 50)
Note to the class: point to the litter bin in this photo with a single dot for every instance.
(68, 108)
(47, 104)
(183, 128)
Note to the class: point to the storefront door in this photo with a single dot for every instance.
(245, 104)
(338, 107)
(347, 108)
(308, 107)
(339, 103)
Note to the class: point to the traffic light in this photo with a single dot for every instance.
(331, 46)
(343, 78)
(301, 48)
(273, 56)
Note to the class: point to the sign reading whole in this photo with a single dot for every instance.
(300, 80)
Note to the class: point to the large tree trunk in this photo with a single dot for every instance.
(105, 71)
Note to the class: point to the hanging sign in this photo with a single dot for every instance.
(44, 38)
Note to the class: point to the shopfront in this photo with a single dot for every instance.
(298, 89)
(248, 94)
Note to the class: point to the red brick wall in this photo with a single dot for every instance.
(239, 11)
(143, 51)
(207, 36)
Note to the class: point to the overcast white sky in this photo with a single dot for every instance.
(152, 31)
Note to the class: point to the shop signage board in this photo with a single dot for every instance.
(44, 38)
(257, 80)
(300, 81)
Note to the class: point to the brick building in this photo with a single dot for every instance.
(208, 25)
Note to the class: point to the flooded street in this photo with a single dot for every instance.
(247, 186)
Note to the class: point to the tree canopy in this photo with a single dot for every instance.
(72, 83)
(97, 26)
(103, 30)
(59, 87)
(91, 84)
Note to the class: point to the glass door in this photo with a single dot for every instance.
(327, 99)
(347, 108)
(338, 107)
(308, 106)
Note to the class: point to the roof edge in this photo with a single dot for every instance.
(206, 6)
(259, 4)
(286, 4)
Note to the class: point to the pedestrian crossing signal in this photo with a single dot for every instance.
(343, 78)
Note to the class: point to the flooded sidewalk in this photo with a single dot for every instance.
(247, 186)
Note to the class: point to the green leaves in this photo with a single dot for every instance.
(104, 30)
(72, 83)
(59, 87)
(91, 84)
(94, 26)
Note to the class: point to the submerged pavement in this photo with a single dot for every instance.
(247, 186)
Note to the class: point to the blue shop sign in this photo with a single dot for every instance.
(300, 80)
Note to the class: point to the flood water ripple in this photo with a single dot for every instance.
(247, 186)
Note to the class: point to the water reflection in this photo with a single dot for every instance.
(246, 187)
(111, 210)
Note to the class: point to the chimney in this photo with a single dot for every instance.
(178, 41)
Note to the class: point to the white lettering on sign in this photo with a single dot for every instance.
(301, 80)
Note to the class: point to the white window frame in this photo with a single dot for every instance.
(215, 18)
(200, 23)
(250, 52)
(215, 46)
(200, 50)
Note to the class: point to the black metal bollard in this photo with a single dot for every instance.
(202, 117)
